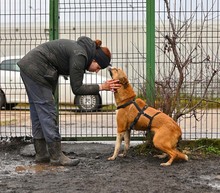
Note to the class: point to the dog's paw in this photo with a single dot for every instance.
(162, 156)
(165, 164)
(111, 158)
(186, 158)
(121, 155)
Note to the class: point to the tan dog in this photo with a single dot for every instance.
(166, 131)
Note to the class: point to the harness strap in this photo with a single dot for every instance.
(141, 112)
(151, 119)
(126, 104)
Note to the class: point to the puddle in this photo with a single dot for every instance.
(211, 180)
(38, 168)
(18, 166)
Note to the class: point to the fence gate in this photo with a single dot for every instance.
(119, 24)
(121, 27)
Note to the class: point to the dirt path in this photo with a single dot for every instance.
(94, 174)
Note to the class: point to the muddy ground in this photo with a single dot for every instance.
(94, 174)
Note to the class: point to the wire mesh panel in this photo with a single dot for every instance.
(23, 26)
(187, 64)
(120, 25)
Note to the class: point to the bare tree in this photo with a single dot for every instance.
(187, 74)
(174, 97)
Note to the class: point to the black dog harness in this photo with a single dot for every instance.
(141, 112)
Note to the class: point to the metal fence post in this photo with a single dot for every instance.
(54, 19)
(150, 52)
(54, 34)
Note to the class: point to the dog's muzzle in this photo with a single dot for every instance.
(110, 70)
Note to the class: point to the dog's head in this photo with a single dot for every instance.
(119, 74)
(125, 92)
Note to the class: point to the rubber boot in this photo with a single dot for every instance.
(57, 157)
(42, 155)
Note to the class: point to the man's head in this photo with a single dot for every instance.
(102, 55)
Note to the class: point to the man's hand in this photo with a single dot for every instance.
(110, 85)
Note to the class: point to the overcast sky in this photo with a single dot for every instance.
(17, 11)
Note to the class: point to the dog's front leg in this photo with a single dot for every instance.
(127, 143)
(117, 145)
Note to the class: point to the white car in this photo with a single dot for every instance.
(12, 89)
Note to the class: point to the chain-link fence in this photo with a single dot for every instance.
(186, 46)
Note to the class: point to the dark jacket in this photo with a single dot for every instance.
(61, 57)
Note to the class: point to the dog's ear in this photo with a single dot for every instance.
(123, 81)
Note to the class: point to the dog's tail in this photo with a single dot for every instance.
(181, 155)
